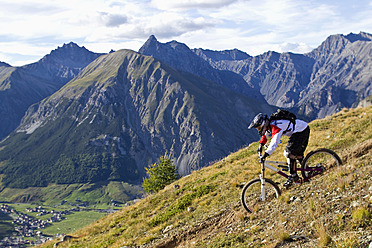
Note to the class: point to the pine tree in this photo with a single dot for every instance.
(160, 174)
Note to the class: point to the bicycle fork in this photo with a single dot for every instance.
(263, 193)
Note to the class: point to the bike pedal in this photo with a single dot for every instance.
(299, 181)
(284, 167)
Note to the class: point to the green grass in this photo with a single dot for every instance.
(95, 193)
(362, 216)
(73, 222)
(6, 226)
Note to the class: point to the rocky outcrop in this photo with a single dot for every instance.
(341, 75)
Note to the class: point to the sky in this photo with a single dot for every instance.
(30, 29)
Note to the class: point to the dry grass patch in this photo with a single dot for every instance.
(323, 237)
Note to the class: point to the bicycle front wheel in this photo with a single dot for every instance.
(318, 161)
(253, 197)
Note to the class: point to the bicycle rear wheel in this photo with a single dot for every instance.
(318, 161)
(251, 196)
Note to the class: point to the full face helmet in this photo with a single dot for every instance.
(260, 122)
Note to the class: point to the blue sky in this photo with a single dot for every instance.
(30, 29)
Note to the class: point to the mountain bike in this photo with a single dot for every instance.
(259, 191)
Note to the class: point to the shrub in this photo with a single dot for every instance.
(361, 216)
(160, 174)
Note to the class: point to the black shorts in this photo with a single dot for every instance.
(297, 143)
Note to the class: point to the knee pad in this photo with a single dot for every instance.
(289, 155)
(286, 154)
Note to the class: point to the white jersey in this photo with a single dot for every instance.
(279, 128)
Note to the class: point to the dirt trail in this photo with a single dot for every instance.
(200, 230)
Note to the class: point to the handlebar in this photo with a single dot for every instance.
(261, 157)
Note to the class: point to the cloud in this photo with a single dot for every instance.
(164, 25)
(17, 53)
(190, 4)
(113, 20)
(168, 25)
(32, 8)
(37, 26)
(293, 47)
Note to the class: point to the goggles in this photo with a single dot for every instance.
(261, 130)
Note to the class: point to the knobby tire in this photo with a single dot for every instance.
(321, 158)
(251, 192)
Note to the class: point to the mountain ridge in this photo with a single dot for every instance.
(127, 109)
(181, 57)
(20, 87)
(321, 82)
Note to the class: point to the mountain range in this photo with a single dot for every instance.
(333, 76)
(118, 115)
(76, 116)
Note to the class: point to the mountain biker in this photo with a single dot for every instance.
(297, 143)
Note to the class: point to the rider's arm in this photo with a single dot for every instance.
(263, 140)
(276, 133)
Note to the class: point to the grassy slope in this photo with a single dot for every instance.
(6, 226)
(100, 193)
(332, 210)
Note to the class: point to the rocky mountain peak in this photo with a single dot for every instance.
(177, 55)
(35, 81)
(232, 55)
(70, 53)
(153, 47)
(4, 64)
(334, 44)
(359, 37)
(151, 44)
(337, 43)
(181, 57)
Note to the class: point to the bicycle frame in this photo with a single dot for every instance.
(269, 165)
(273, 165)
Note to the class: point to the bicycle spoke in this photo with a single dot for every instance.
(252, 196)
(319, 161)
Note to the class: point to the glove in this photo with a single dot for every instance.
(259, 149)
(262, 158)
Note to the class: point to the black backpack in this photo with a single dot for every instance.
(282, 114)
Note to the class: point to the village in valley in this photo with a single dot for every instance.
(29, 224)
(28, 229)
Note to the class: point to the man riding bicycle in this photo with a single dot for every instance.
(298, 132)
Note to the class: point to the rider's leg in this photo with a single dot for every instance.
(291, 161)
(292, 165)
(297, 143)
(293, 177)
(295, 149)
